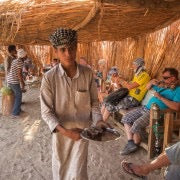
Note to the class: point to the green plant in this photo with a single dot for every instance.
(2, 67)
(6, 91)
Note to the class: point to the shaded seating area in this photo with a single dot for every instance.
(169, 128)
(114, 31)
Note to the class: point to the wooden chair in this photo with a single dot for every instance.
(171, 125)
(151, 137)
(171, 128)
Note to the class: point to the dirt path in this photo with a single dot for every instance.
(25, 149)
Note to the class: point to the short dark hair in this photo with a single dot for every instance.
(11, 48)
(173, 72)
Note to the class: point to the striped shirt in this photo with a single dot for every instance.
(12, 77)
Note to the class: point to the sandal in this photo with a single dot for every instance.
(128, 170)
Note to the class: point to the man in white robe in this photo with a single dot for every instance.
(69, 104)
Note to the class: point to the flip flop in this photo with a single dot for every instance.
(129, 170)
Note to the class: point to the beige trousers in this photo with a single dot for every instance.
(69, 158)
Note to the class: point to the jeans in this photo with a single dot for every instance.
(18, 98)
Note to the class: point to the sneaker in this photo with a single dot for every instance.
(129, 148)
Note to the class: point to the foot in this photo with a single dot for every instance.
(129, 148)
(15, 116)
(135, 170)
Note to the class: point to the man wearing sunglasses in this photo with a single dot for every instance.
(167, 95)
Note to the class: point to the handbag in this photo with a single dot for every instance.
(115, 97)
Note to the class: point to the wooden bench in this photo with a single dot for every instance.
(171, 123)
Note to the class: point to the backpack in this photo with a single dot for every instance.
(115, 97)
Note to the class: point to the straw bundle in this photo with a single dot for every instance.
(31, 22)
(159, 49)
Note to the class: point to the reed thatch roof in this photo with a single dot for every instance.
(160, 49)
(31, 21)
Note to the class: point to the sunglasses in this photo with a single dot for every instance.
(166, 77)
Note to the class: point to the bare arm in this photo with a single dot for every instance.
(151, 83)
(161, 161)
(128, 85)
(170, 156)
(171, 104)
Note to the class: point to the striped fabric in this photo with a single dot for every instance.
(12, 77)
(138, 119)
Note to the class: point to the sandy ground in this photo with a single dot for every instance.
(25, 149)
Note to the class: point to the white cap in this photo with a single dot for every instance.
(21, 53)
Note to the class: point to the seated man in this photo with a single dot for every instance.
(167, 95)
(170, 158)
(137, 90)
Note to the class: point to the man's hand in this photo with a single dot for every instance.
(157, 95)
(74, 133)
(154, 82)
(151, 83)
(71, 133)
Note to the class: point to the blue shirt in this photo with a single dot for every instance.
(170, 94)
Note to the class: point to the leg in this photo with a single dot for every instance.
(139, 125)
(145, 169)
(18, 99)
(137, 138)
(101, 96)
(128, 120)
(128, 131)
(106, 115)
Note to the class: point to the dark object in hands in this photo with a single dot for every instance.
(100, 134)
(115, 97)
(93, 133)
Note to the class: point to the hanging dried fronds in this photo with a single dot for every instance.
(31, 21)
(159, 49)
